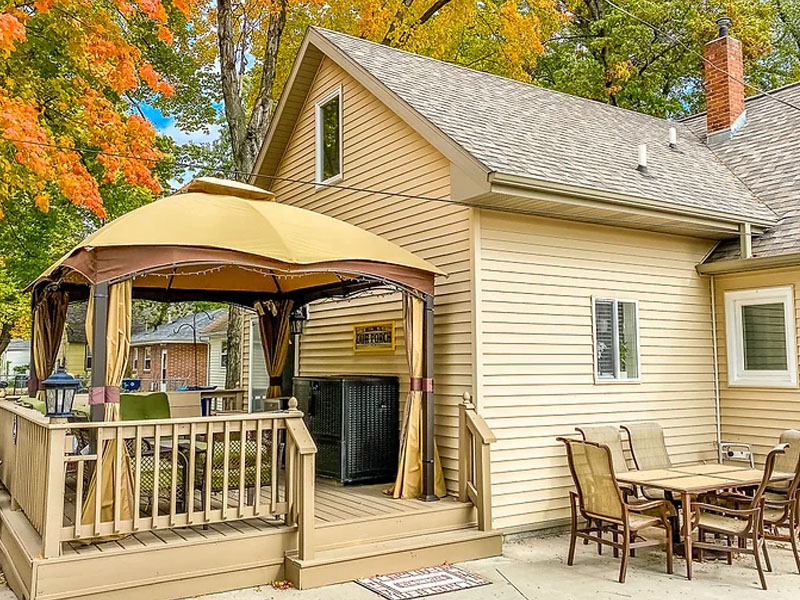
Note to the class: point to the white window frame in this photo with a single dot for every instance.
(734, 333)
(135, 360)
(223, 354)
(318, 138)
(147, 362)
(603, 379)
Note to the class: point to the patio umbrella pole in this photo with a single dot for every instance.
(428, 478)
(99, 325)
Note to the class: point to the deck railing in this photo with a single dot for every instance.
(156, 474)
(474, 461)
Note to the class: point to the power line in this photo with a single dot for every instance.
(686, 46)
(387, 193)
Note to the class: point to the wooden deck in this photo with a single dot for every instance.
(334, 505)
(359, 531)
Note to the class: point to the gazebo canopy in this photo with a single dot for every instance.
(227, 241)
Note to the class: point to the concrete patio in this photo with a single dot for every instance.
(535, 568)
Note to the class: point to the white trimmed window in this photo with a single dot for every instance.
(616, 339)
(761, 337)
(329, 137)
(147, 358)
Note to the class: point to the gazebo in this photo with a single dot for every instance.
(224, 241)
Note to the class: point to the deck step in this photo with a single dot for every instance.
(343, 564)
(439, 517)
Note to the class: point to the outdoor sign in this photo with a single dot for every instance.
(374, 337)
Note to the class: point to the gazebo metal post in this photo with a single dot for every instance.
(428, 477)
(99, 325)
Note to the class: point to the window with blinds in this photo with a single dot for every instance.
(761, 337)
(616, 337)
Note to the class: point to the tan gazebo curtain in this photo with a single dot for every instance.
(273, 325)
(409, 469)
(118, 340)
(48, 328)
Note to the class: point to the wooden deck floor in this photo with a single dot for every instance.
(334, 504)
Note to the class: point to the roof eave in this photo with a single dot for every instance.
(165, 341)
(743, 265)
(499, 180)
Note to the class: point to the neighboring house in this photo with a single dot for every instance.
(15, 359)
(577, 290)
(167, 358)
(74, 352)
(217, 335)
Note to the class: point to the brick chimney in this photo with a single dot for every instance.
(725, 113)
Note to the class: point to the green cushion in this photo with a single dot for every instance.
(36, 404)
(140, 407)
(218, 465)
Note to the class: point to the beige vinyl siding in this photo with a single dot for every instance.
(537, 279)
(216, 372)
(381, 152)
(756, 415)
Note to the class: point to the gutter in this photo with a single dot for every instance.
(626, 200)
(741, 265)
(138, 343)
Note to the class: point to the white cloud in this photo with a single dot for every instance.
(196, 137)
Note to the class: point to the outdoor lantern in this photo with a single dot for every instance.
(297, 320)
(59, 390)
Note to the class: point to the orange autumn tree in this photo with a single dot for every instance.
(71, 74)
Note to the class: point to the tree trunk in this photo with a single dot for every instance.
(233, 370)
(247, 135)
(5, 336)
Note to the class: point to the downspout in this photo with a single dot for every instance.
(717, 408)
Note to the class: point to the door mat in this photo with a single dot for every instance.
(422, 582)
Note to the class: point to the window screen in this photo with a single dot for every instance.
(616, 333)
(764, 337)
(329, 139)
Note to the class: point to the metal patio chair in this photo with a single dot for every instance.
(781, 499)
(744, 522)
(600, 501)
(649, 451)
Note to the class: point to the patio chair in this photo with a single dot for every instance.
(143, 407)
(781, 497)
(599, 500)
(608, 435)
(743, 522)
(647, 446)
(217, 478)
(649, 452)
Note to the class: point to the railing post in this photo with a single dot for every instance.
(484, 487)
(464, 447)
(54, 494)
(305, 521)
(302, 471)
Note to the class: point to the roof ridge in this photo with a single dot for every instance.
(496, 76)
(758, 96)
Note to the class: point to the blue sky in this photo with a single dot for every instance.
(166, 126)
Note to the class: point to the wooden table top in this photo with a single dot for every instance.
(694, 479)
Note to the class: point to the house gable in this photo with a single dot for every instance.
(315, 48)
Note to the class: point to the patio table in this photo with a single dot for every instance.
(690, 480)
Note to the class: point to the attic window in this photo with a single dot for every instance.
(329, 137)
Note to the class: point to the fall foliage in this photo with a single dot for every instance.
(68, 72)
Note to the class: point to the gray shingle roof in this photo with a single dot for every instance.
(520, 129)
(176, 331)
(765, 153)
